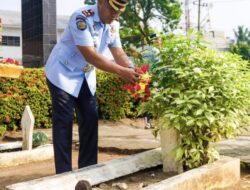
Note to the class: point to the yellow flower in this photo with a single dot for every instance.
(145, 77)
(142, 86)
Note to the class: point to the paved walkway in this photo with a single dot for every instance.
(125, 138)
(239, 148)
(129, 136)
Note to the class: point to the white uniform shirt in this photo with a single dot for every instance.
(66, 66)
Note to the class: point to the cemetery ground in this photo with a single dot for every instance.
(119, 139)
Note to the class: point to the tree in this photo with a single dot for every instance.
(242, 49)
(242, 35)
(135, 21)
(242, 45)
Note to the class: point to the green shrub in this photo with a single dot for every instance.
(3, 129)
(201, 93)
(39, 138)
(113, 102)
(31, 89)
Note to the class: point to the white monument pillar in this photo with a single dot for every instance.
(27, 124)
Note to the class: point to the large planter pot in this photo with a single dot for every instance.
(170, 138)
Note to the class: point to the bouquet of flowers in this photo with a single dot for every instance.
(10, 68)
(140, 90)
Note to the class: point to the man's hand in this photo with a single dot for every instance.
(129, 75)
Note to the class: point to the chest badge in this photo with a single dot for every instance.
(87, 68)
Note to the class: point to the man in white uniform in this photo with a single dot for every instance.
(71, 77)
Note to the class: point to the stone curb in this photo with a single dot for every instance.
(223, 173)
(23, 157)
(11, 146)
(95, 174)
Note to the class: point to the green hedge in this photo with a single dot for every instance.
(31, 89)
(113, 102)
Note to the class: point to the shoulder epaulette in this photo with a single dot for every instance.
(88, 12)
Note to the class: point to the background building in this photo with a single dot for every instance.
(12, 33)
(217, 40)
(1, 30)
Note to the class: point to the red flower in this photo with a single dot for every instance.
(10, 60)
(137, 96)
(132, 90)
(145, 68)
(140, 90)
(137, 87)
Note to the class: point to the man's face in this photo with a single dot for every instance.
(106, 12)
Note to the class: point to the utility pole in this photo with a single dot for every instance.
(200, 4)
(187, 15)
(199, 15)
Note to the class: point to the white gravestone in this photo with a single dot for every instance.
(27, 124)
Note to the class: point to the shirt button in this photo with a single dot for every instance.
(66, 62)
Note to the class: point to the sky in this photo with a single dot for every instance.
(225, 15)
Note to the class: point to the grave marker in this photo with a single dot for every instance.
(27, 124)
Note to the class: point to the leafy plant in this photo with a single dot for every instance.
(39, 138)
(201, 93)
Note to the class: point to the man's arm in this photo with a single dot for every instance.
(101, 62)
(120, 56)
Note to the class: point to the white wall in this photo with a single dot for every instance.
(14, 51)
(11, 51)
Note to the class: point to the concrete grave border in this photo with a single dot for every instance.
(15, 158)
(11, 146)
(222, 173)
(94, 174)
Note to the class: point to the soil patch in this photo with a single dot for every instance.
(25, 172)
(136, 181)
